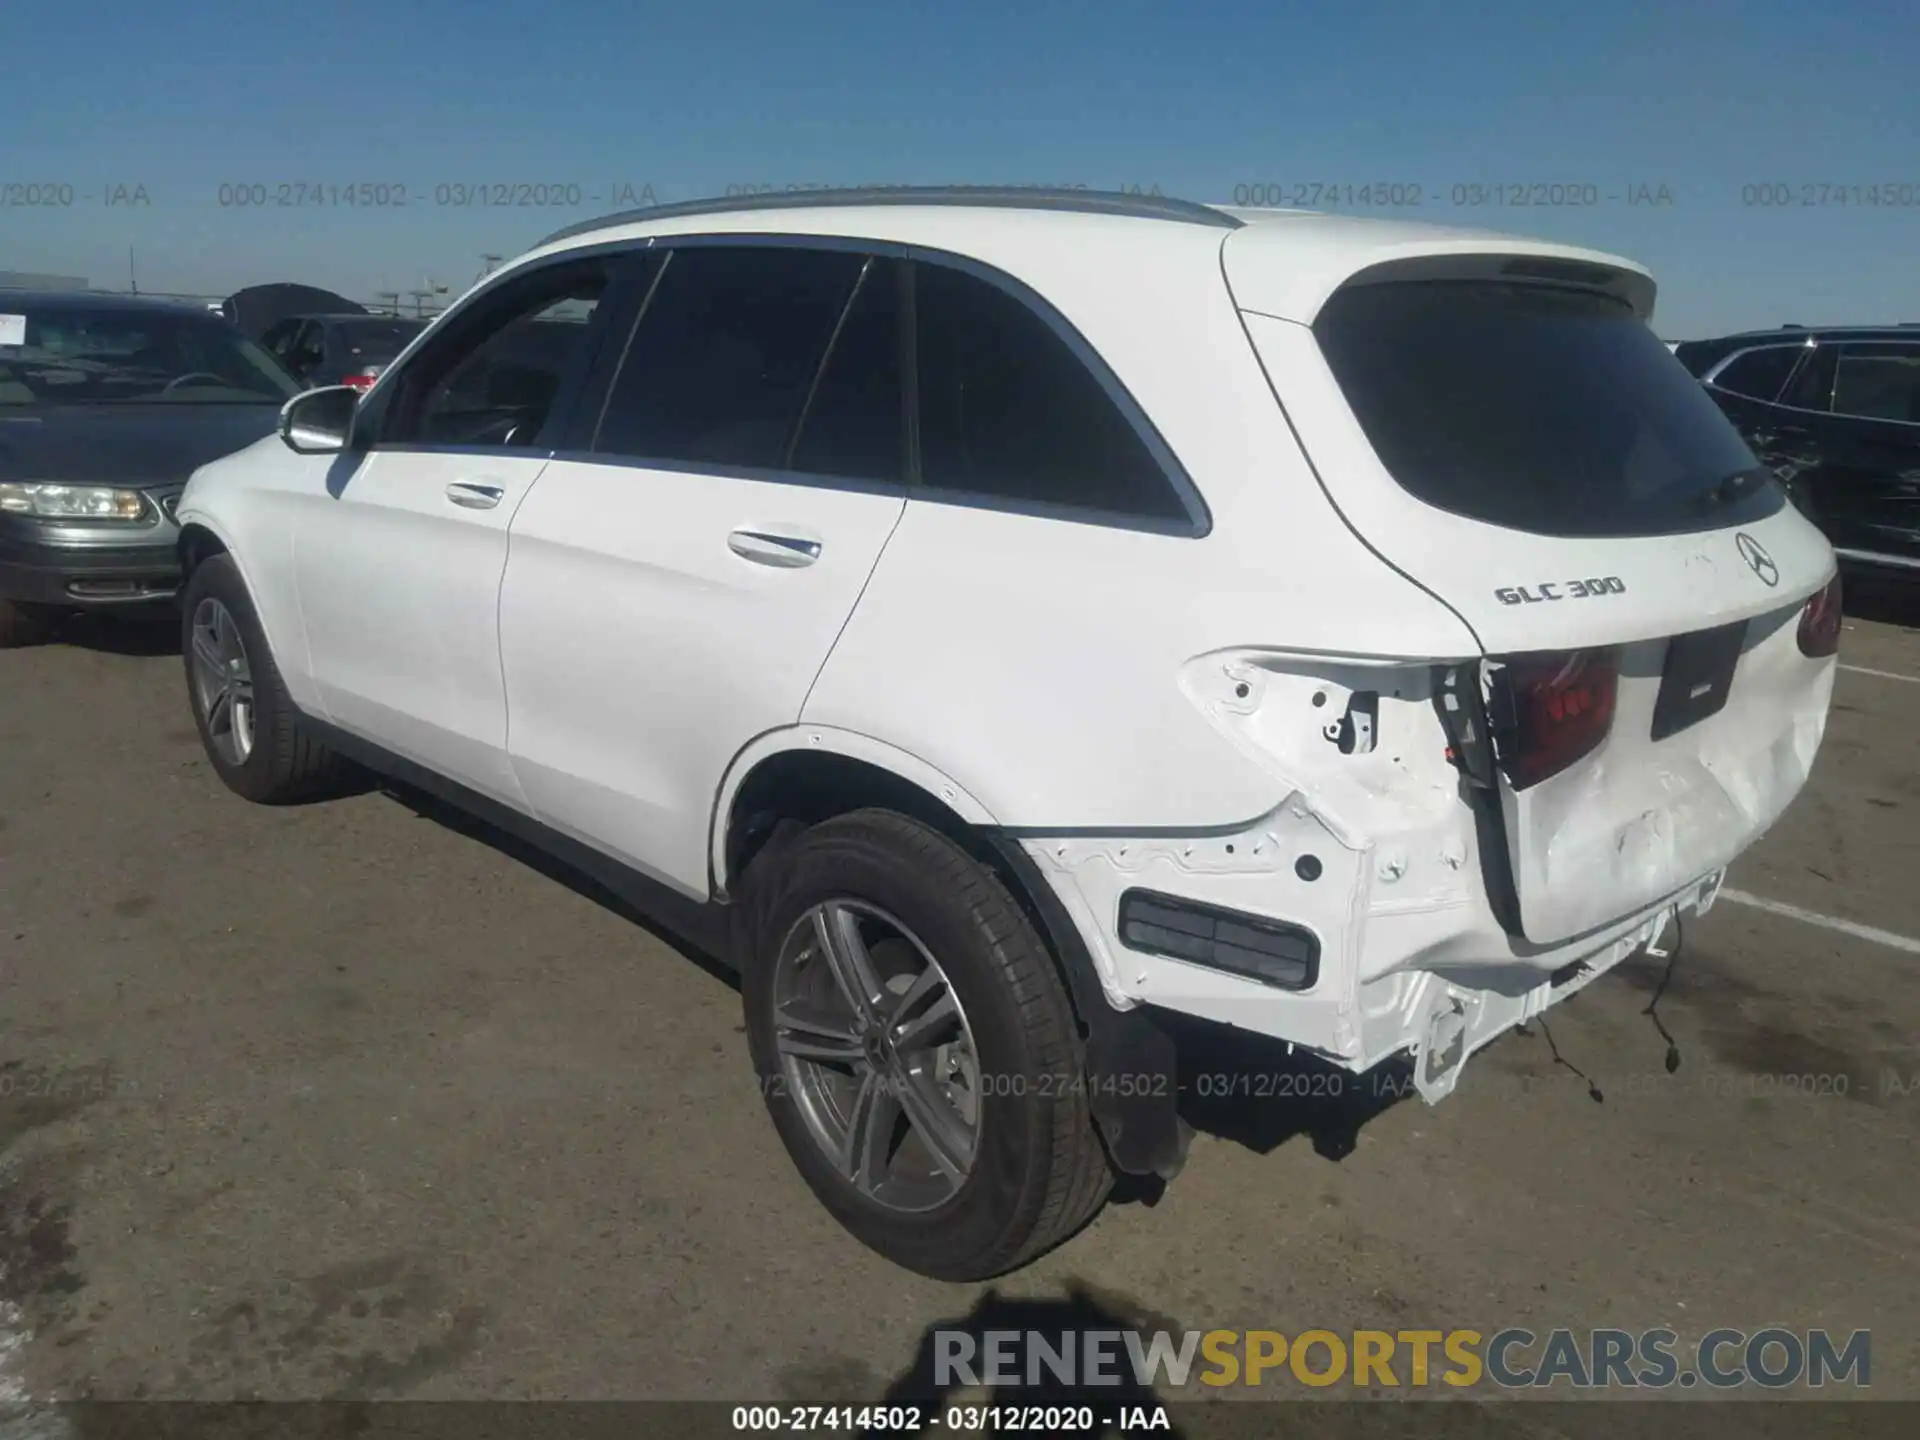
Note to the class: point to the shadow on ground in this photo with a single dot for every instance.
(682, 924)
(143, 634)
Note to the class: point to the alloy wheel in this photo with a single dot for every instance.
(877, 1052)
(222, 681)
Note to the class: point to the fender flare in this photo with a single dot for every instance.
(831, 740)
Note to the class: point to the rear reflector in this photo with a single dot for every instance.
(1270, 951)
(1820, 623)
(1552, 710)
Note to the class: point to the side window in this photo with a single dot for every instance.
(310, 348)
(278, 339)
(726, 353)
(492, 377)
(1812, 385)
(1760, 374)
(1009, 411)
(1878, 382)
(855, 423)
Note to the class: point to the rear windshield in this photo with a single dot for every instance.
(377, 339)
(1552, 411)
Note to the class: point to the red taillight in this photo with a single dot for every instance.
(363, 380)
(1820, 623)
(1558, 707)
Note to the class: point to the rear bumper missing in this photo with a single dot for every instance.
(1431, 973)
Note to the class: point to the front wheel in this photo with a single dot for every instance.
(253, 736)
(917, 1049)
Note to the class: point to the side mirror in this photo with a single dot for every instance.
(320, 422)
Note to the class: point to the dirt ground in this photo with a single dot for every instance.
(349, 1101)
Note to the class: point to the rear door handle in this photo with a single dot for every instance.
(772, 547)
(474, 497)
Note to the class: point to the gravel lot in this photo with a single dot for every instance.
(353, 1101)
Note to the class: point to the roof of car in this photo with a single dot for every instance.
(1800, 334)
(1279, 262)
(357, 317)
(103, 301)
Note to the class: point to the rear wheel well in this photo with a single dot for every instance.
(1138, 1120)
(196, 543)
(809, 786)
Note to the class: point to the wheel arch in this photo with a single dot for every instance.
(198, 542)
(821, 770)
(809, 773)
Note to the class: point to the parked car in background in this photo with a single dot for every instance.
(107, 405)
(351, 350)
(258, 307)
(1011, 615)
(1835, 414)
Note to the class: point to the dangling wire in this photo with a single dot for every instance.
(1652, 1010)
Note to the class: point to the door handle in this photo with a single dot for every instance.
(474, 497)
(770, 547)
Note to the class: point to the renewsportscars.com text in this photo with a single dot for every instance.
(1512, 1358)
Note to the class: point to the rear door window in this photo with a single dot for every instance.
(1547, 410)
(1760, 374)
(1009, 412)
(723, 362)
(1878, 382)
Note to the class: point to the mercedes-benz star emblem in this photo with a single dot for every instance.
(1755, 554)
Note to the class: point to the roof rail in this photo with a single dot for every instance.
(1011, 197)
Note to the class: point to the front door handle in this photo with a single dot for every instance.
(772, 547)
(474, 497)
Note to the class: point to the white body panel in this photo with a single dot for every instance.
(400, 590)
(642, 652)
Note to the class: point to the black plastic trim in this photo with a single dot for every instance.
(703, 923)
(1132, 1064)
(1219, 914)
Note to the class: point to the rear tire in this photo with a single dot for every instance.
(254, 737)
(23, 624)
(1037, 1171)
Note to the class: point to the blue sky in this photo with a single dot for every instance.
(1701, 98)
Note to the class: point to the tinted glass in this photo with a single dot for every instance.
(724, 355)
(1760, 374)
(855, 424)
(1812, 385)
(373, 340)
(81, 355)
(1878, 382)
(1552, 411)
(1008, 410)
(494, 376)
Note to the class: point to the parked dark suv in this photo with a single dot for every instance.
(1835, 413)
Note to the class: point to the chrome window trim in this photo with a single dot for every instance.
(1711, 378)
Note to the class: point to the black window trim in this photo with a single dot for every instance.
(369, 420)
(1711, 377)
(1197, 523)
(1840, 348)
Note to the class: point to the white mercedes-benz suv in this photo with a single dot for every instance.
(1009, 617)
